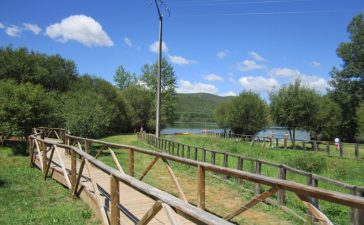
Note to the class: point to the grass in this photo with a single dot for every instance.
(221, 197)
(342, 169)
(25, 198)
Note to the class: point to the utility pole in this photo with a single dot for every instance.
(159, 74)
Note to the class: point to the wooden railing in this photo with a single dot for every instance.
(313, 145)
(204, 155)
(40, 147)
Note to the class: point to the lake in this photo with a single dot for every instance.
(279, 132)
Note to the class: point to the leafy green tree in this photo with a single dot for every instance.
(139, 103)
(348, 83)
(248, 113)
(222, 115)
(360, 122)
(52, 72)
(327, 118)
(168, 86)
(124, 78)
(93, 108)
(25, 106)
(294, 107)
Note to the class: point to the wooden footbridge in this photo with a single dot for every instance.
(120, 198)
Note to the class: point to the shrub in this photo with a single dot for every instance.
(309, 162)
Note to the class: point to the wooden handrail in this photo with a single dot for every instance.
(331, 196)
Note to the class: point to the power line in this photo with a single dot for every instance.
(273, 13)
(222, 3)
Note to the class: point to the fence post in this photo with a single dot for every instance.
(315, 146)
(73, 172)
(31, 152)
(203, 155)
(240, 167)
(172, 148)
(341, 150)
(115, 199)
(201, 187)
(213, 157)
(178, 149)
(328, 149)
(44, 155)
(356, 151)
(282, 193)
(87, 146)
(277, 145)
(196, 154)
(169, 147)
(258, 170)
(131, 162)
(188, 151)
(183, 150)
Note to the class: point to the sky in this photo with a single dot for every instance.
(221, 47)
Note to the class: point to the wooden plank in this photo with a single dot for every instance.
(253, 202)
(97, 193)
(282, 193)
(80, 170)
(49, 163)
(201, 189)
(149, 167)
(175, 180)
(170, 214)
(157, 206)
(73, 169)
(115, 199)
(322, 218)
(116, 160)
(131, 162)
(65, 174)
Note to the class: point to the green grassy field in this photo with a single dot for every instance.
(345, 170)
(25, 198)
(221, 197)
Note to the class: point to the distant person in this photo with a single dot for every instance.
(141, 129)
(285, 138)
(337, 143)
(272, 135)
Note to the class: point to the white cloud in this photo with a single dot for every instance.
(179, 60)
(229, 93)
(79, 28)
(13, 31)
(284, 72)
(212, 77)
(2, 26)
(314, 82)
(258, 84)
(256, 56)
(185, 86)
(222, 54)
(248, 65)
(33, 28)
(128, 42)
(315, 64)
(154, 47)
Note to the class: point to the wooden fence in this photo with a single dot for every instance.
(40, 146)
(355, 151)
(199, 154)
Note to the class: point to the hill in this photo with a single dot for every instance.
(198, 107)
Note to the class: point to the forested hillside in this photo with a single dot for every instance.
(198, 107)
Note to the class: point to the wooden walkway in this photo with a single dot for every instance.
(133, 204)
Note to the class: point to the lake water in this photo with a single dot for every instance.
(279, 132)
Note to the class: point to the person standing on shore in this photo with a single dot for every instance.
(337, 143)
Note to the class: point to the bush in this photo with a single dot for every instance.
(309, 162)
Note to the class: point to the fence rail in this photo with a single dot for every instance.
(198, 154)
(345, 150)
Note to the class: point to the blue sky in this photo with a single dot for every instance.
(217, 46)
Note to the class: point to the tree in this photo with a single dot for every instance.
(25, 106)
(248, 113)
(360, 122)
(52, 72)
(93, 108)
(140, 106)
(327, 119)
(222, 115)
(294, 107)
(168, 86)
(124, 78)
(348, 83)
